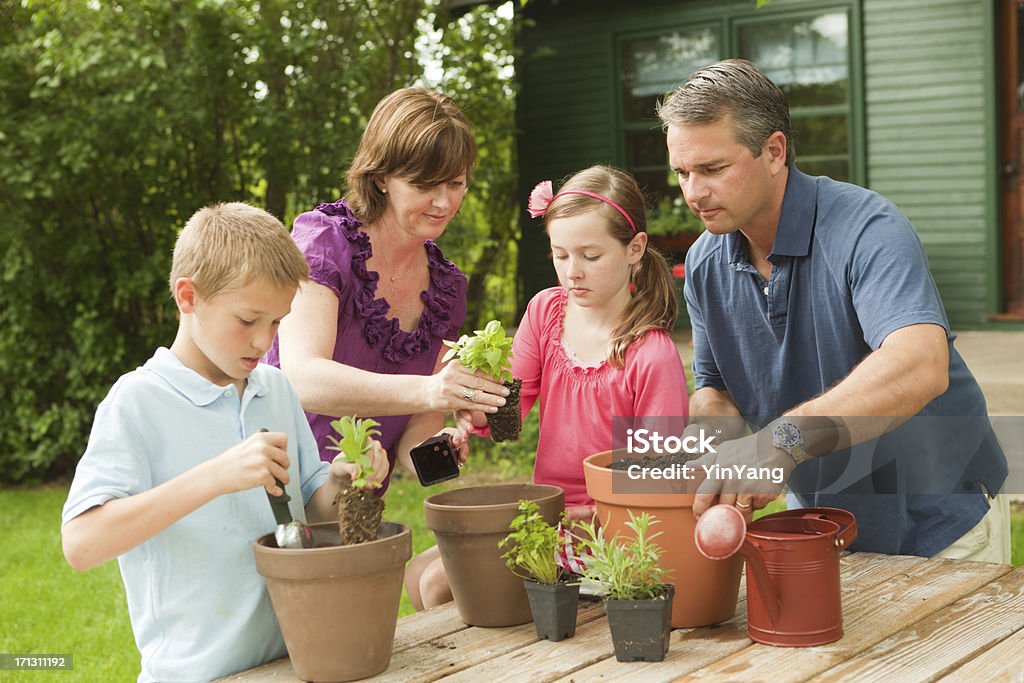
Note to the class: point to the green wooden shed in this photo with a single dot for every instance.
(920, 100)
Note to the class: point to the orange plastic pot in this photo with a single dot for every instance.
(706, 590)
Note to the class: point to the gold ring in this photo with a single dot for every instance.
(743, 506)
(469, 394)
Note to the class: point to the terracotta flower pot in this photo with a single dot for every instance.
(337, 605)
(705, 590)
(468, 524)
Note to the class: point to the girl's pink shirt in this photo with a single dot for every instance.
(577, 403)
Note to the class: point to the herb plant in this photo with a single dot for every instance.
(533, 545)
(488, 350)
(355, 445)
(627, 571)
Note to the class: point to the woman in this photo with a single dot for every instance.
(364, 336)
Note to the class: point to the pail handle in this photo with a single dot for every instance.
(847, 527)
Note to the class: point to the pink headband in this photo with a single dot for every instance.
(542, 196)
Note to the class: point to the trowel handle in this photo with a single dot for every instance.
(279, 504)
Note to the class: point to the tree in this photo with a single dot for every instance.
(118, 121)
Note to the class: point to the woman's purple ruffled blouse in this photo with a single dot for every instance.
(337, 251)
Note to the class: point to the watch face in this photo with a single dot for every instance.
(786, 435)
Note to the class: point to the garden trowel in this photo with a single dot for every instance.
(290, 533)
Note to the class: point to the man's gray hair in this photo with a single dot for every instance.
(732, 87)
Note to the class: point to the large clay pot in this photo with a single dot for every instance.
(706, 590)
(337, 605)
(469, 523)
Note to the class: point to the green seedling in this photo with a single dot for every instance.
(354, 445)
(532, 546)
(630, 570)
(488, 350)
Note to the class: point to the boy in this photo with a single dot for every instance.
(172, 480)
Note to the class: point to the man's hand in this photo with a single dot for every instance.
(739, 478)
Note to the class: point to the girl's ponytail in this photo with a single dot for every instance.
(654, 306)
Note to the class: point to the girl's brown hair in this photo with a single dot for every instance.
(416, 134)
(655, 304)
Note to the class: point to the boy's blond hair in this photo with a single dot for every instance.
(227, 246)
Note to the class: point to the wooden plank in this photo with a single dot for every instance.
(470, 647)
(277, 671)
(1004, 663)
(688, 649)
(869, 617)
(943, 640)
(692, 649)
(544, 660)
(427, 625)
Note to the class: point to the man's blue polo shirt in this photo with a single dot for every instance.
(848, 269)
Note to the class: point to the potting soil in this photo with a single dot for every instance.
(506, 423)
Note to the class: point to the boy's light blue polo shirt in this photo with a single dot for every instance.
(199, 610)
(848, 269)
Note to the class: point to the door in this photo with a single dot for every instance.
(1011, 61)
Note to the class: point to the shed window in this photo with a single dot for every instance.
(806, 54)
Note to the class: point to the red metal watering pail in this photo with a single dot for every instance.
(793, 596)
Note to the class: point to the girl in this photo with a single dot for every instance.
(596, 346)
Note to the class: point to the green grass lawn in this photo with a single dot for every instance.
(51, 609)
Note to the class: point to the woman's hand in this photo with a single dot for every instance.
(454, 387)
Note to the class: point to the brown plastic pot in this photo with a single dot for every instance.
(468, 524)
(705, 590)
(337, 605)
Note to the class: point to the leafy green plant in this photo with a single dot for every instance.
(627, 571)
(671, 216)
(488, 350)
(354, 445)
(533, 545)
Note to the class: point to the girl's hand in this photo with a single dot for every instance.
(448, 389)
(469, 421)
(582, 513)
(340, 468)
(460, 439)
(257, 461)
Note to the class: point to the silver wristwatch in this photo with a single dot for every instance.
(787, 436)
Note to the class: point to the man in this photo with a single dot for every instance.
(817, 323)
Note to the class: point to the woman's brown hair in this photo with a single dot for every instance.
(416, 134)
(655, 304)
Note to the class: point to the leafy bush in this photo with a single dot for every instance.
(116, 125)
(627, 570)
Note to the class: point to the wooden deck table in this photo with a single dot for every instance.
(905, 619)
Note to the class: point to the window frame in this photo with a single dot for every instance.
(726, 24)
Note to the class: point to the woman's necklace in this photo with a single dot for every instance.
(387, 266)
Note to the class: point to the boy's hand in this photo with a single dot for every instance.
(378, 461)
(257, 461)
